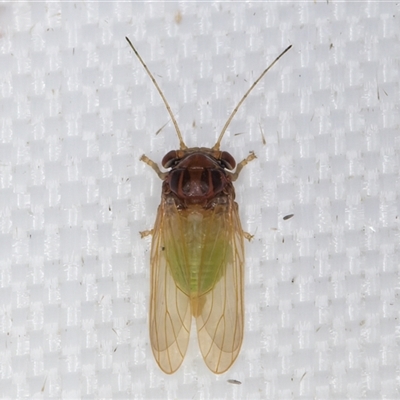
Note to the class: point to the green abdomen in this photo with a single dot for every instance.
(197, 262)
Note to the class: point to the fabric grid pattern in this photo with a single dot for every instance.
(322, 199)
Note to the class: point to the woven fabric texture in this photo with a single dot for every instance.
(322, 199)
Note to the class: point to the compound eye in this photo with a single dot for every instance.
(169, 159)
(227, 160)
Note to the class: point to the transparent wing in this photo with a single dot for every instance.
(170, 315)
(218, 307)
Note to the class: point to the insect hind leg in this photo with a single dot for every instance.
(240, 166)
(152, 164)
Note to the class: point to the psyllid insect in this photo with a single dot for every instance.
(197, 251)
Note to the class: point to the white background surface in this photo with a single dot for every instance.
(76, 113)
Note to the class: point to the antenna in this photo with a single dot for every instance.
(221, 135)
(182, 144)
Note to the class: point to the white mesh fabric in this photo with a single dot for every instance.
(77, 111)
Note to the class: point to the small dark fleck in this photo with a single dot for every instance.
(234, 382)
(286, 217)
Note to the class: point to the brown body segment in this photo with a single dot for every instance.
(198, 176)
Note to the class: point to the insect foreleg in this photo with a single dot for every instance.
(240, 166)
(152, 164)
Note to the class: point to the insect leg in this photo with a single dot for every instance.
(146, 233)
(152, 164)
(240, 166)
(247, 235)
